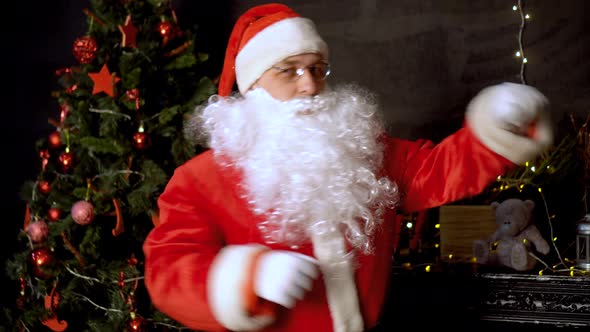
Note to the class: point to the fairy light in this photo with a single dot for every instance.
(520, 53)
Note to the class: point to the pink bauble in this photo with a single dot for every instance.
(83, 212)
(38, 231)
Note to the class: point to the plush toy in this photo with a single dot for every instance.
(514, 237)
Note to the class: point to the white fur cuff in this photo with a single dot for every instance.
(225, 280)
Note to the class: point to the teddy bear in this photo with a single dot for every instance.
(514, 237)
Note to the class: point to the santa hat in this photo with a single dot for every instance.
(263, 36)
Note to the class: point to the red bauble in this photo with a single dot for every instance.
(85, 49)
(141, 140)
(44, 186)
(54, 139)
(82, 212)
(54, 214)
(66, 159)
(38, 231)
(43, 261)
(166, 29)
(136, 324)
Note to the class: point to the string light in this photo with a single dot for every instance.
(520, 53)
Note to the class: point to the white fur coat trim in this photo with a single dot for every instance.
(225, 279)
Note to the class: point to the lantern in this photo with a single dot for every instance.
(583, 243)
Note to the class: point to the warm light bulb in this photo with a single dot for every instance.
(527, 16)
(436, 245)
(555, 239)
(437, 226)
(427, 268)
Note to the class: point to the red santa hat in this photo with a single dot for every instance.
(263, 36)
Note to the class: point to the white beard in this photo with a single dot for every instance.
(309, 165)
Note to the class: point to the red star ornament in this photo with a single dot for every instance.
(104, 81)
(129, 32)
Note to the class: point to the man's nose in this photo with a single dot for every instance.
(307, 85)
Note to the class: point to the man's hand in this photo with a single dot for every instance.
(511, 119)
(514, 107)
(284, 277)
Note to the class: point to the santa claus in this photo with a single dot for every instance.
(284, 224)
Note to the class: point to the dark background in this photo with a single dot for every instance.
(425, 60)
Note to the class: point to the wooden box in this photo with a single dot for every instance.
(460, 225)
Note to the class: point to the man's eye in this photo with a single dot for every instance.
(316, 70)
(287, 71)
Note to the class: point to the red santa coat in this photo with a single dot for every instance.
(201, 212)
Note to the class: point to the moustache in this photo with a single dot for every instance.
(310, 105)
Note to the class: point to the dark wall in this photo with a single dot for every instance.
(425, 59)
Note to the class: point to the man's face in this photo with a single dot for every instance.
(297, 76)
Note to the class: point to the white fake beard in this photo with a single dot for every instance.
(309, 165)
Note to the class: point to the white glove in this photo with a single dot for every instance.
(511, 119)
(514, 106)
(284, 277)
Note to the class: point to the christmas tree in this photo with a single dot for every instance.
(118, 138)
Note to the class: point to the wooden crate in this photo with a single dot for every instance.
(460, 225)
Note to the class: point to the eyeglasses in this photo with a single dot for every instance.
(319, 71)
